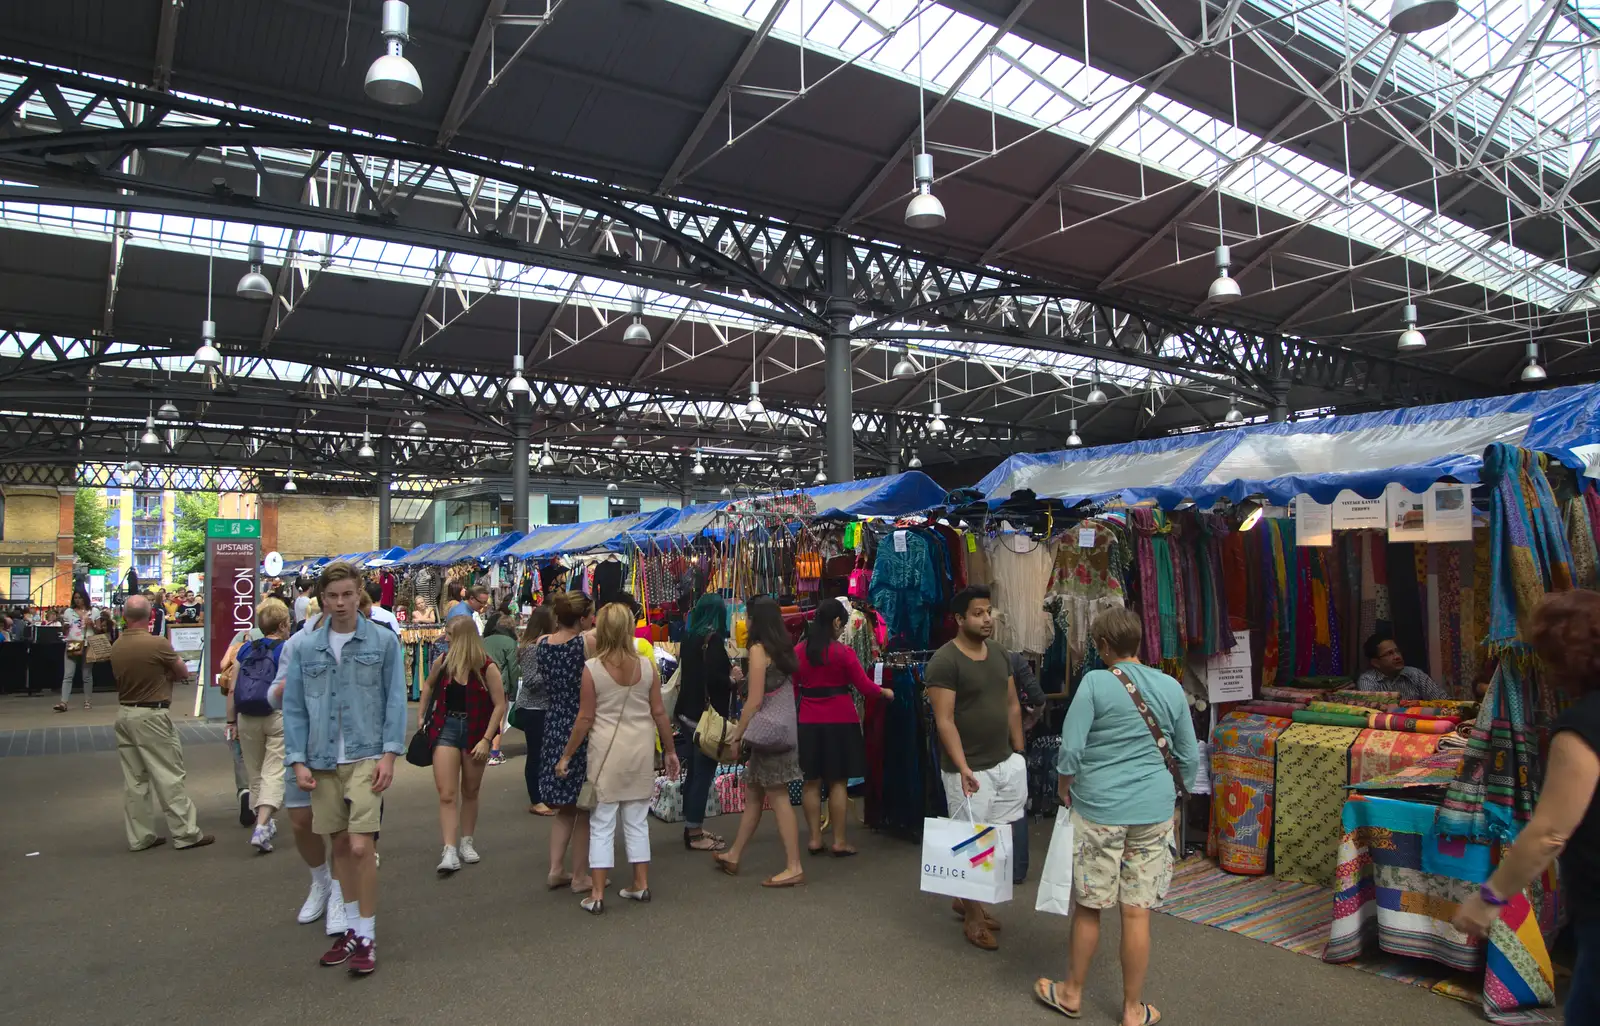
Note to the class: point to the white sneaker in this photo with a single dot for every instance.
(469, 852)
(272, 828)
(316, 903)
(336, 923)
(261, 837)
(450, 862)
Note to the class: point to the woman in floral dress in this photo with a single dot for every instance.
(561, 656)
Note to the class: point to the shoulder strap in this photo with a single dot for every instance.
(1155, 730)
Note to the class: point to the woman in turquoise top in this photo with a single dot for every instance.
(1116, 781)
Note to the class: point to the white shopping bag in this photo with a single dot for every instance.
(1055, 883)
(964, 859)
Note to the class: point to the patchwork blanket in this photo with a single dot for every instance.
(1312, 774)
(1243, 762)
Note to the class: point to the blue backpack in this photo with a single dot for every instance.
(258, 668)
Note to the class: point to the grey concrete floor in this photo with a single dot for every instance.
(93, 933)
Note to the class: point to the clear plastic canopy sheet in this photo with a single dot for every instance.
(890, 496)
(1362, 453)
(427, 554)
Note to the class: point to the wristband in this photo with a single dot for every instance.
(1490, 898)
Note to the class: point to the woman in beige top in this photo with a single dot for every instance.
(621, 714)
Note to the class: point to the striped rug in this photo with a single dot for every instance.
(1296, 917)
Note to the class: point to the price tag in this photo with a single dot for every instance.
(877, 674)
(899, 541)
(1085, 537)
(972, 543)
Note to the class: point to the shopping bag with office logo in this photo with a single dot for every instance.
(964, 859)
(1055, 883)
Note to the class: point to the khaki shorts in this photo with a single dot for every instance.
(1120, 865)
(343, 799)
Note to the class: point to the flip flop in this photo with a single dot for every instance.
(1045, 991)
(815, 851)
(1152, 1014)
(548, 811)
(797, 880)
(842, 853)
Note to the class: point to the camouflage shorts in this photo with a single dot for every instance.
(1127, 865)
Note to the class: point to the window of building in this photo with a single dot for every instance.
(624, 507)
(563, 511)
(147, 536)
(20, 581)
(148, 566)
(147, 506)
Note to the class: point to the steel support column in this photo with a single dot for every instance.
(521, 429)
(891, 442)
(838, 373)
(385, 472)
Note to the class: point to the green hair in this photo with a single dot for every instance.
(709, 616)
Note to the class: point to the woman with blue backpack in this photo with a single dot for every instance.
(258, 725)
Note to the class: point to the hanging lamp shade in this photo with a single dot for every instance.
(207, 357)
(518, 385)
(1224, 289)
(254, 284)
(1409, 16)
(150, 438)
(168, 411)
(547, 459)
(133, 468)
(1533, 372)
(936, 426)
(1233, 416)
(821, 478)
(365, 452)
(417, 429)
(288, 483)
(619, 442)
(904, 369)
(915, 463)
(611, 486)
(755, 407)
(924, 211)
(637, 333)
(1073, 438)
(392, 79)
(785, 454)
(1411, 339)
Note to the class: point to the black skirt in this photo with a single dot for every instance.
(832, 752)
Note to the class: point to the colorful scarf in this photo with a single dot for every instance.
(1498, 785)
(1580, 538)
(1528, 550)
(1144, 529)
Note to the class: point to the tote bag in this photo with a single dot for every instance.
(963, 859)
(1055, 883)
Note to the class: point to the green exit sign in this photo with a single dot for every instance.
(233, 528)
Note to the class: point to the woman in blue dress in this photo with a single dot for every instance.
(561, 656)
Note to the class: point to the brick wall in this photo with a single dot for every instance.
(307, 526)
(400, 534)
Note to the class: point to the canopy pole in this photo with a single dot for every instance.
(841, 311)
(521, 427)
(385, 451)
(891, 440)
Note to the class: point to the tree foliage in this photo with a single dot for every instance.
(188, 546)
(89, 530)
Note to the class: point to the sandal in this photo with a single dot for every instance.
(797, 880)
(60, 707)
(1045, 991)
(727, 866)
(1152, 1014)
(585, 889)
(842, 853)
(814, 851)
(555, 883)
(704, 841)
(593, 906)
(541, 809)
(86, 705)
(642, 894)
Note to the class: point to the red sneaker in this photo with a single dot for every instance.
(343, 947)
(364, 959)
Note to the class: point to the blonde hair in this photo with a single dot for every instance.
(272, 616)
(465, 656)
(613, 632)
(313, 608)
(1117, 632)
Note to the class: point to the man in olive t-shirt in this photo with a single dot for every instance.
(979, 721)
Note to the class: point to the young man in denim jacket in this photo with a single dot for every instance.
(344, 721)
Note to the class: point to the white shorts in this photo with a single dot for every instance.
(1002, 793)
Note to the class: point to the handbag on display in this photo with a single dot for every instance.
(773, 729)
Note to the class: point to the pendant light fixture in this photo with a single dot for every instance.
(1411, 339)
(132, 469)
(207, 358)
(1224, 289)
(637, 333)
(150, 438)
(518, 385)
(547, 459)
(168, 411)
(937, 426)
(1253, 512)
(1233, 416)
(1409, 16)
(366, 452)
(904, 369)
(726, 492)
(392, 79)
(785, 454)
(755, 408)
(924, 212)
(699, 468)
(417, 429)
(1073, 439)
(1533, 372)
(1097, 395)
(254, 284)
(821, 478)
(288, 482)
(619, 442)
(915, 462)
(611, 486)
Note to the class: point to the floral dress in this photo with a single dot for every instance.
(561, 669)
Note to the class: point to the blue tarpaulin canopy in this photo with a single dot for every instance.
(609, 534)
(425, 555)
(361, 559)
(1363, 453)
(876, 496)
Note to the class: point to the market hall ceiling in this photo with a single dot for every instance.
(1389, 173)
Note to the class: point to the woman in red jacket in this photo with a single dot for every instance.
(831, 748)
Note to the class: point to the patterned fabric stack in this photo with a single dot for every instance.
(1243, 754)
(1378, 753)
(1313, 772)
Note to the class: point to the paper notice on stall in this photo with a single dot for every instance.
(1353, 513)
(1085, 537)
(1407, 516)
(1228, 674)
(1313, 522)
(1447, 512)
(899, 541)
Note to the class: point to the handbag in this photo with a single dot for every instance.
(419, 752)
(773, 729)
(589, 793)
(96, 648)
(1155, 731)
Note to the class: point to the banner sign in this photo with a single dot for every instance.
(232, 562)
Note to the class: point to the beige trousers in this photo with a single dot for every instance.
(152, 759)
(261, 741)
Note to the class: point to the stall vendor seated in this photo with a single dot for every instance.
(1387, 671)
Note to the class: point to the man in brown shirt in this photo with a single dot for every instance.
(145, 666)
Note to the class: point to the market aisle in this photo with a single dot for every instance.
(98, 934)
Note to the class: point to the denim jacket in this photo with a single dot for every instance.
(362, 695)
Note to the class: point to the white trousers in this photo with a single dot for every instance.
(603, 832)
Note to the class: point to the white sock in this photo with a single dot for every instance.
(352, 912)
(367, 927)
(335, 892)
(320, 875)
